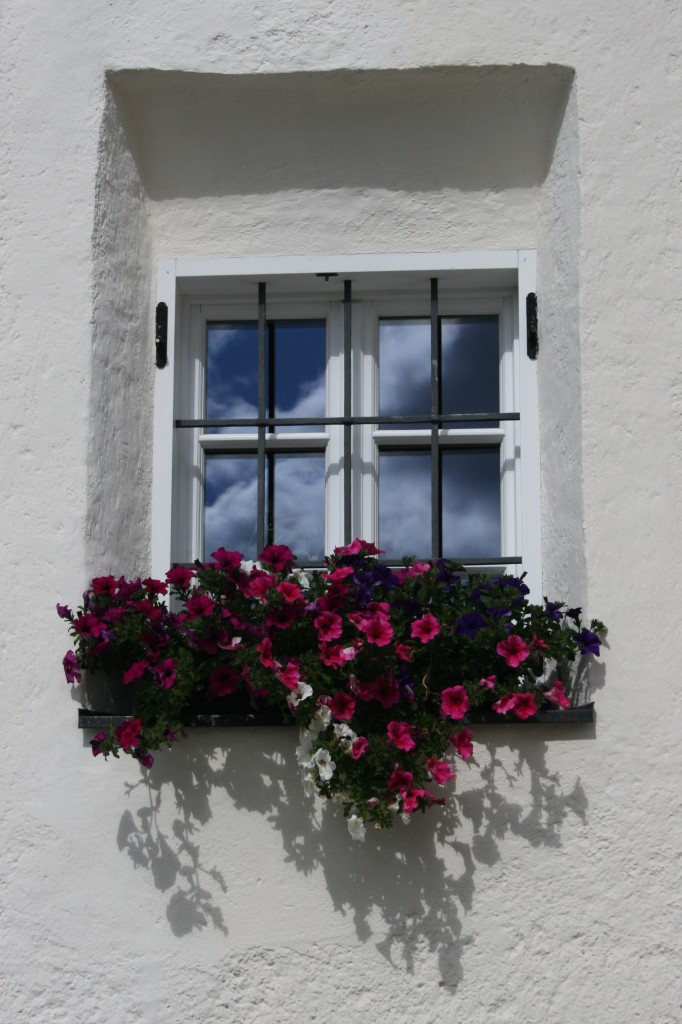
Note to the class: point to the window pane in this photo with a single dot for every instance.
(471, 502)
(230, 503)
(299, 353)
(470, 366)
(405, 504)
(231, 374)
(404, 369)
(299, 504)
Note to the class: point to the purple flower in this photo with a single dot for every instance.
(72, 669)
(587, 641)
(574, 613)
(553, 610)
(146, 760)
(96, 743)
(470, 625)
(64, 612)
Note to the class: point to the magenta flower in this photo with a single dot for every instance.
(64, 612)
(153, 586)
(358, 547)
(199, 606)
(72, 669)
(279, 556)
(329, 626)
(441, 772)
(136, 671)
(164, 673)
(377, 629)
(454, 702)
(514, 650)
(342, 706)
(461, 741)
(227, 559)
(104, 585)
(290, 591)
(404, 652)
(128, 734)
(88, 625)
(557, 696)
(386, 691)
(290, 675)
(267, 659)
(488, 681)
(400, 779)
(180, 577)
(146, 760)
(359, 747)
(259, 584)
(223, 680)
(505, 704)
(525, 706)
(425, 629)
(400, 735)
(410, 799)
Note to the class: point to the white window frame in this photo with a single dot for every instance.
(470, 283)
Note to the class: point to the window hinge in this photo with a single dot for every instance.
(161, 335)
(532, 343)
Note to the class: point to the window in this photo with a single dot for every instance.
(311, 400)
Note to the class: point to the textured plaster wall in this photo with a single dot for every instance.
(204, 892)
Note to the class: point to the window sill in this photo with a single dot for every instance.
(582, 715)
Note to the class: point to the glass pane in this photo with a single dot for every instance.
(230, 503)
(471, 502)
(405, 504)
(299, 504)
(300, 356)
(404, 370)
(470, 367)
(231, 374)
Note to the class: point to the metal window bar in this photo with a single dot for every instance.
(266, 401)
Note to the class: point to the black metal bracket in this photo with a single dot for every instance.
(532, 342)
(161, 335)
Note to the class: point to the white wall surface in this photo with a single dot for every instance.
(550, 889)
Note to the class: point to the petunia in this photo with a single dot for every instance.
(322, 760)
(587, 641)
(514, 650)
(461, 741)
(425, 629)
(400, 735)
(199, 606)
(358, 547)
(153, 586)
(302, 692)
(223, 680)
(290, 675)
(329, 626)
(64, 612)
(525, 706)
(557, 696)
(470, 625)
(399, 779)
(441, 772)
(180, 577)
(279, 556)
(227, 560)
(135, 671)
(454, 702)
(342, 706)
(128, 734)
(290, 591)
(359, 747)
(105, 585)
(488, 682)
(146, 759)
(164, 673)
(404, 652)
(72, 669)
(378, 630)
(96, 743)
(505, 704)
(264, 649)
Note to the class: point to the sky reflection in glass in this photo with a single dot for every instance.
(230, 502)
(295, 365)
(299, 504)
(470, 503)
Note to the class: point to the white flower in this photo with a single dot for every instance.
(302, 578)
(320, 720)
(325, 766)
(246, 565)
(302, 692)
(304, 752)
(344, 734)
(356, 827)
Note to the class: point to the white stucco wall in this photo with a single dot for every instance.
(206, 892)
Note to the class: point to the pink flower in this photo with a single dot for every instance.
(279, 556)
(165, 673)
(505, 704)
(128, 734)
(400, 735)
(153, 586)
(425, 629)
(290, 591)
(400, 779)
(227, 559)
(72, 669)
(267, 659)
(359, 547)
(410, 799)
(104, 585)
(557, 696)
(537, 644)
(290, 676)
(180, 577)
(404, 652)
(199, 606)
(385, 691)
(378, 630)
(454, 702)
(259, 584)
(525, 706)
(329, 626)
(359, 747)
(136, 671)
(461, 741)
(417, 569)
(488, 681)
(514, 650)
(342, 706)
(96, 743)
(441, 772)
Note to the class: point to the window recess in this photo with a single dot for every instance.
(311, 400)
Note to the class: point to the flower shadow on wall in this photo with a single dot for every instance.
(408, 891)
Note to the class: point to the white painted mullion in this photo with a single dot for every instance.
(366, 388)
(334, 449)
